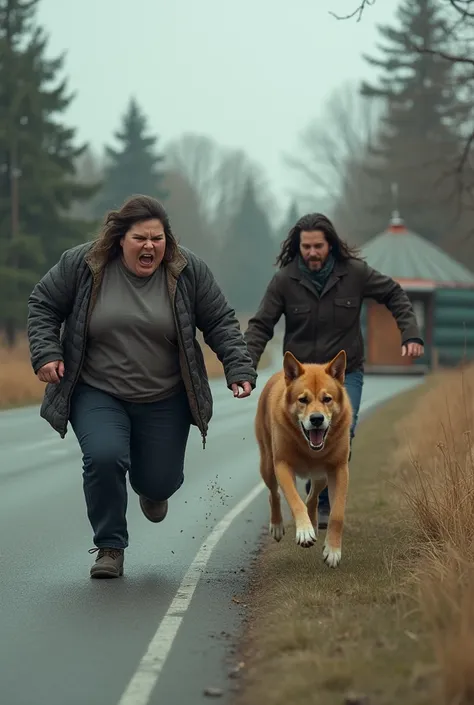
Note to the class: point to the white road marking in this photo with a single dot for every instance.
(146, 677)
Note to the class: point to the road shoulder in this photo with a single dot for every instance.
(207, 643)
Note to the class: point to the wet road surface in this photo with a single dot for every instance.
(68, 640)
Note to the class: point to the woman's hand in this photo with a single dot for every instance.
(51, 372)
(246, 389)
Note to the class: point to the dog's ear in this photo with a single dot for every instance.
(337, 367)
(291, 367)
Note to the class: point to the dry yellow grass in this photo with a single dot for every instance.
(19, 386)
(439, 484)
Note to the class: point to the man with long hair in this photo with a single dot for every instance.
(320, 288)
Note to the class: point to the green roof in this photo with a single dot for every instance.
(402, 254)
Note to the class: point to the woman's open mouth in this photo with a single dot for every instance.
(146, 260)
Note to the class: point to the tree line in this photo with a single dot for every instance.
(412, 125)
(55, 192)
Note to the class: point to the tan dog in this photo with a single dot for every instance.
(302, 427)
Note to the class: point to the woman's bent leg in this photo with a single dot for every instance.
(159, 437)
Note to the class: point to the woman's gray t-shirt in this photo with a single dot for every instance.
(132, 348)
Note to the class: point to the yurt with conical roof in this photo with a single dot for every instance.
(441, 291)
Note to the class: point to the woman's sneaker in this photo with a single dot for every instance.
(108, 564)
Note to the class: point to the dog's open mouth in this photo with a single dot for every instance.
(316, 437)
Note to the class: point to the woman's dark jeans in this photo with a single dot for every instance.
(146, 439)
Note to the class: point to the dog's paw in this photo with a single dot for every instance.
(306, 536)
(277, 531)
(332, 556)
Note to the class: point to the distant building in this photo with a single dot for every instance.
(442, 293)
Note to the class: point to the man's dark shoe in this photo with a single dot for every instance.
(154, 511)
(323, 510)
(323, 516)
(108, 564)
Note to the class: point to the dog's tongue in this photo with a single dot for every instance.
(316, 437)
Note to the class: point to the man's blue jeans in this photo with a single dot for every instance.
(354, 383)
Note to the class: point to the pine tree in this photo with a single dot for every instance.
(37, 161)
(418, 140)
(248, 257)
(133, 167)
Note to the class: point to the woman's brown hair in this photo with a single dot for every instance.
(135, 210)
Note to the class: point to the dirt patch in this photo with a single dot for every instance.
(354, 634)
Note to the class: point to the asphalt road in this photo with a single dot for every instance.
(66, 639)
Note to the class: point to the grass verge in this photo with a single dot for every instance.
(19, 386)
(354, 634)
(439, 483)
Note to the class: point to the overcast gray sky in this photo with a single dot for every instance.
(249, 73)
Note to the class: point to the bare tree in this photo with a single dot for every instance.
(333, 147)
(459, 50)
(358, 12)
(89, 171)
(198, 158)
(464, 9)
(218, 175)
(183, 207)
